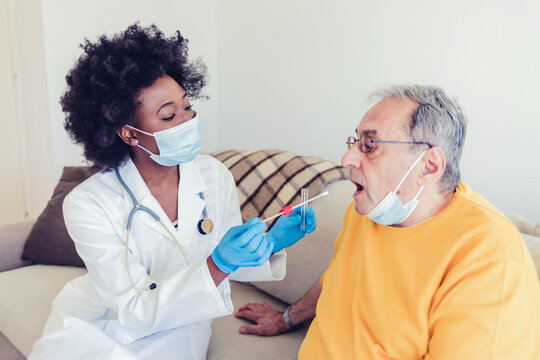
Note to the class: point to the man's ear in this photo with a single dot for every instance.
(434, 165)
(128, 136)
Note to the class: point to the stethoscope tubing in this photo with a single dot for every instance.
(139, 207)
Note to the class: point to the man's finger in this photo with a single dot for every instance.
(247, 306)
(252, 329)
(248, 314)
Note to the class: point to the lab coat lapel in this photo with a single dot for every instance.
(190, 204)
(138, 187)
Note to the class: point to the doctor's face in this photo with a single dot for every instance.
(161, 106)
(379, 171)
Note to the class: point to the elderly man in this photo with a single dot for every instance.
(424, 268)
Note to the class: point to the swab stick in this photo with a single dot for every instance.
(288, 210)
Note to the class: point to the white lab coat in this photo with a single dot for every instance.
(100, 315)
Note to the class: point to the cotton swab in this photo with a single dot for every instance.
(294, 207)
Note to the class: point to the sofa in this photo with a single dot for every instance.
(27, 289)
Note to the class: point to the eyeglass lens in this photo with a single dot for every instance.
(350, 142)
(365, 144)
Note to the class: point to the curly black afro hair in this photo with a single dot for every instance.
(103, 86)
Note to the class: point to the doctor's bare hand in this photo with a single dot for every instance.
(268, 321)
(243, 246)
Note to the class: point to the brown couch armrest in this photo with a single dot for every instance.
(12, 238)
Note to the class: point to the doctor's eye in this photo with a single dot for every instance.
(188, 107)
(169, 117)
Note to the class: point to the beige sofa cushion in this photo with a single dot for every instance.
(23, 314)
(308, 259)
(27, 295)
(228, 344)
(524, 225)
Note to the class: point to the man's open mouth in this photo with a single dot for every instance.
(359, 187)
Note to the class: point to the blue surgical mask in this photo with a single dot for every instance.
(176, 145)
(391, 210)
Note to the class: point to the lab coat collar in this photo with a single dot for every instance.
(191, 179)
(133, 179)
(190, 204)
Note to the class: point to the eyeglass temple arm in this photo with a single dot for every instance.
(403, 142)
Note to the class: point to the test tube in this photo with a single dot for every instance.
(303, 199)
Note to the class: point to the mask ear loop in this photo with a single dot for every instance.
(148, 151)
(139, 130)
(419, 191)
(137, 142)
(408, 172)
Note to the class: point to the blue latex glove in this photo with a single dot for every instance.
(286, 230)
(242, 246)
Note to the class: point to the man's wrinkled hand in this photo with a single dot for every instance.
(268, 321)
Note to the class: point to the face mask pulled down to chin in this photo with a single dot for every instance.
(391, 210)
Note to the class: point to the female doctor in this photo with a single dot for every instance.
(159, 228)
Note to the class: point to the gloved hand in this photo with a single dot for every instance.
(286, 230)
(242, 246)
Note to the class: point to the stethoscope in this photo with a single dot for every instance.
(205, 226)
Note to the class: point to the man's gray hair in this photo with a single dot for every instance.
(438, 120)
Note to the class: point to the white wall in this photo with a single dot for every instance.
(294, 74)
(11, 191)
(32, 104)
(67, 23)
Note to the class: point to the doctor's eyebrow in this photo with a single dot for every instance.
(162, 106)
(170, 102)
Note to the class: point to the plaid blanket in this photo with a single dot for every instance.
(267, 180)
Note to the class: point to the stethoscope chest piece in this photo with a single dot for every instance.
(205, 226)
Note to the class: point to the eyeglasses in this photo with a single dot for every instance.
(365, 143)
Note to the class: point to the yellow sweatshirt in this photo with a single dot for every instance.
(461, 285)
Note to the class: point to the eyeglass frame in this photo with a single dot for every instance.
(351, 143)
